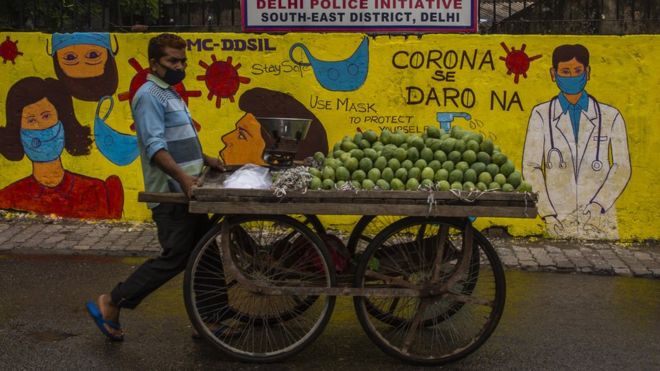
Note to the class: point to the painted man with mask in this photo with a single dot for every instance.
(576, 153)
(172, 160)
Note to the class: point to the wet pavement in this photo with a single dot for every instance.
(551, 321)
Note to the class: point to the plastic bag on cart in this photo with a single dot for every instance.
(249, 176)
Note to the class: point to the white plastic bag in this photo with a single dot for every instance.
(249, 176)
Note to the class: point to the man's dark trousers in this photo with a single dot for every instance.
(178, 234)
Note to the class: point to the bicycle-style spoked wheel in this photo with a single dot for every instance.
(273, 251)
(460, 305)
(365, 230)
(422, 250)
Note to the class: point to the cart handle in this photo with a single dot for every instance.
(164, 197)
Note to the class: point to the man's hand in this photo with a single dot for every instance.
(214, 163)
(187, 183)
(165, 162)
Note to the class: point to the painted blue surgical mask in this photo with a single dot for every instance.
(344, 75)
(43, 145)
(571, 85)
(121, 149)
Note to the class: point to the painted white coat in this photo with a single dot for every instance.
(566, 192)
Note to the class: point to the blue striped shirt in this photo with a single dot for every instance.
(163, 122)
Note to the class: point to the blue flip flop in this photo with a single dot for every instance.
(96, 315)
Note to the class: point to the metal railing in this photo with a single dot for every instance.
(495, 16)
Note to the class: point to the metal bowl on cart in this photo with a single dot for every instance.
(284, 136)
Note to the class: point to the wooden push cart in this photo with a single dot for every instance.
(427, 287)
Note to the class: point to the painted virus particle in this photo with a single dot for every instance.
(141, 77)
(517, 61)
(222, 79)
(9, 50)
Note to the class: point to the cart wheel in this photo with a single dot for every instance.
(249, 326)
(365, 230)
(313, 222)
(438, 327)
(216, 218)
(451, 253)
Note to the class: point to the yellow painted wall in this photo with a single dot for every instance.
(623, 75)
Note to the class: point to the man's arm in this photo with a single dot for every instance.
(165, 162)
(149, 116)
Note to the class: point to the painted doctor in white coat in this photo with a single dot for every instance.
(576, 154)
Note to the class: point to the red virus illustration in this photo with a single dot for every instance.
(141, 77)
(517, 61)
(222, 79)
(9, 50)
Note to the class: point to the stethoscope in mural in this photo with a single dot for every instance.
(344, 75)
(596, 165)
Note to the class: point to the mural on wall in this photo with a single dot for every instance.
(120, 149)
(576, 153)
(85, 63)
(9, 50)
(40, 125)
(346, 83)
(517, 61)
(222, 79)
(343, 75)
(246, 143)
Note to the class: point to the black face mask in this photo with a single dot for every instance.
(173, 77)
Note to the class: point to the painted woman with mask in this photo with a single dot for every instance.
(40, 125)
(85, 63)
(576, 153)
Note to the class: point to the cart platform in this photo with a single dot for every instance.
(210, 197)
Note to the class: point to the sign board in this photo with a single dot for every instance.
(386, 16)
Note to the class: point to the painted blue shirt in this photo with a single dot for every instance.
(574, 110)
(163, 122)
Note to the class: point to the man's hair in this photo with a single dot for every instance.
(565, 53)
(158, 44)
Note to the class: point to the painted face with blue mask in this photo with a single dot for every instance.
(572, 84)
(43, 145)
(571, 76)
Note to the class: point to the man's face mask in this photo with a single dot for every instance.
(43, 145)
(173, 77)
(571, 85)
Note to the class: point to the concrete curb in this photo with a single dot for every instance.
(41, 235)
